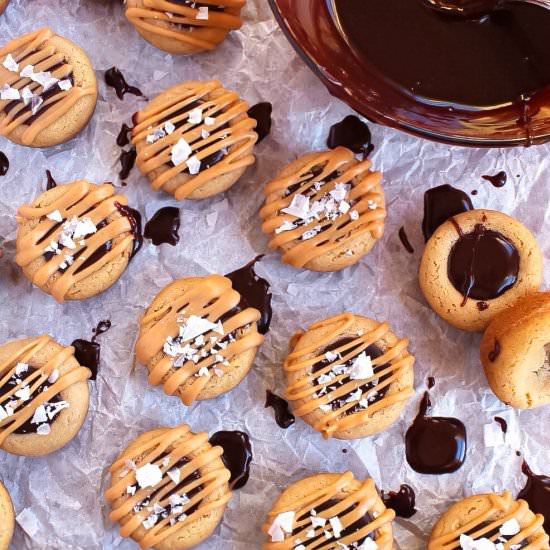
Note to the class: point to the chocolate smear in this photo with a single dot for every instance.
(163, 227)
(537, 494)
(127, 160)
(237, 455)
(123, 137)
(283, 414)
(405, 241)
(115, 79)
(50, 182)
(503, 424)
(498, 180)
(261, 113)
(353, 133)
(134, 217)
(87, 353)
(402, 502)
(4, 164)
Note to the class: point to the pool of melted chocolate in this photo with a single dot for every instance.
(499, 59)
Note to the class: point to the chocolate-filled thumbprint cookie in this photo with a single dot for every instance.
(476, 264)
(3, 6)
(7, 518)
(43, 396)
(349, 376)
(194, 140)
(489, 521)
(515, 352)
(169, 489)
(48, 89)
(75, 240)
(184, 26)
(324, 211)
(329, 511)
(198, 338)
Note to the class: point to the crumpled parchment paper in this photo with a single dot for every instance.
(58, 499)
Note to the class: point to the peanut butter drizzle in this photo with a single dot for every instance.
(335, 420)
(174, 443)
(155, 11)
(80, 199)
(174, 105)
(509, 508)
(212, 298)
(35, 49)
(363, 500)
(335, 233)
(26, 409)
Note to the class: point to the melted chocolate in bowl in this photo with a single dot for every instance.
(490, 62)
(506, 103)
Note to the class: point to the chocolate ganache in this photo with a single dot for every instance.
(500, 59)
(483, 264)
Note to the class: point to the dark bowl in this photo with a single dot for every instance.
(311, 29)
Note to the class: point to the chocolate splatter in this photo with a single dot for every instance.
(261, 113)
(50, 182)
(353, 133)
(431, 382)
(401, 502)
(163, 227)
(134, 217)
(127, 160)
(503, 424)
(115, 79)
(498, 180)
(537, 494)
(283, 414)
(4, 164)
(237, 455)
(405, 241)
(87, 353)
(482, 306)
(123, 137)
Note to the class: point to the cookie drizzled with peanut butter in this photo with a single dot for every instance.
(192, 339)
(324, 207)
(37, 85)
(192, 134)
(165, 481)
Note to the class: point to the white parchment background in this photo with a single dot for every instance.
(58, 498)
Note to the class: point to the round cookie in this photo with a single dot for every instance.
(3, 6)
(476, 264)
(51, 92)
(348, 510)
(197, 338)
(75, 240)
(7, 518)
(324, 211)
(349, 376)
(489, 518)
(169, 489)
(194, 140)
(43, 396)
(184, 26)
(515, 352)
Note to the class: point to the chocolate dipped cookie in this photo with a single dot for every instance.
(327, 511)
(75, 240)
(198, 338)
(515, 352)
(348, 376)
(194, 140)
(169, 489)
(476, 264)
(7, 518)
(489, 521)
(184, 26)
(48, 89)
(43, 396)
(324, 211)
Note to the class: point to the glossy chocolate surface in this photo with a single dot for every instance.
(353, 133)
(237, 455)
(435, 445)
(537, 494)
(483, 264)
(4, 164)
(283, 414)
(497, 180)
(261, 113)
(164, 226)
(401, 502)
(115, 79)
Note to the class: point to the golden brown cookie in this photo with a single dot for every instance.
(329, 511)
(324, 211)
(194, 140)
(489, 518)
(169, 489)
(3, 6)
(7, 518)
(196, 340)
(349, 376)
(476, 264)
(75, 240)
(48, 89)
(43, 396)
(184, 26)
(515, 352)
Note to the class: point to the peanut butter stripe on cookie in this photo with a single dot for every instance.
(164, 481)
(326, 204)
(29, 396)
(37, 85)
(192, 134)
(343, 378)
